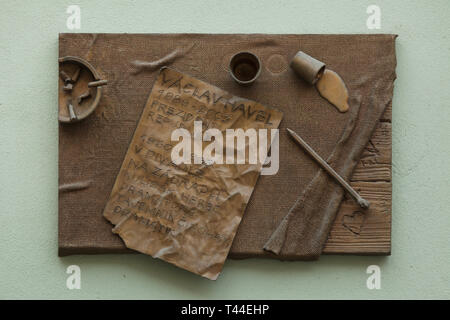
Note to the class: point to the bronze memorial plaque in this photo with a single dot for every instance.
(300, 208)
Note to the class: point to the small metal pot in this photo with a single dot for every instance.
(245, 68)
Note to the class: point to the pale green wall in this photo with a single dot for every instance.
(420, 264)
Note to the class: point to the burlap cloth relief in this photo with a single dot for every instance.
(290, 212)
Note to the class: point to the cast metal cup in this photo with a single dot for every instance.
(307, 68)
(245, 68)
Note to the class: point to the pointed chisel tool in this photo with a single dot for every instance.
(362, 202)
